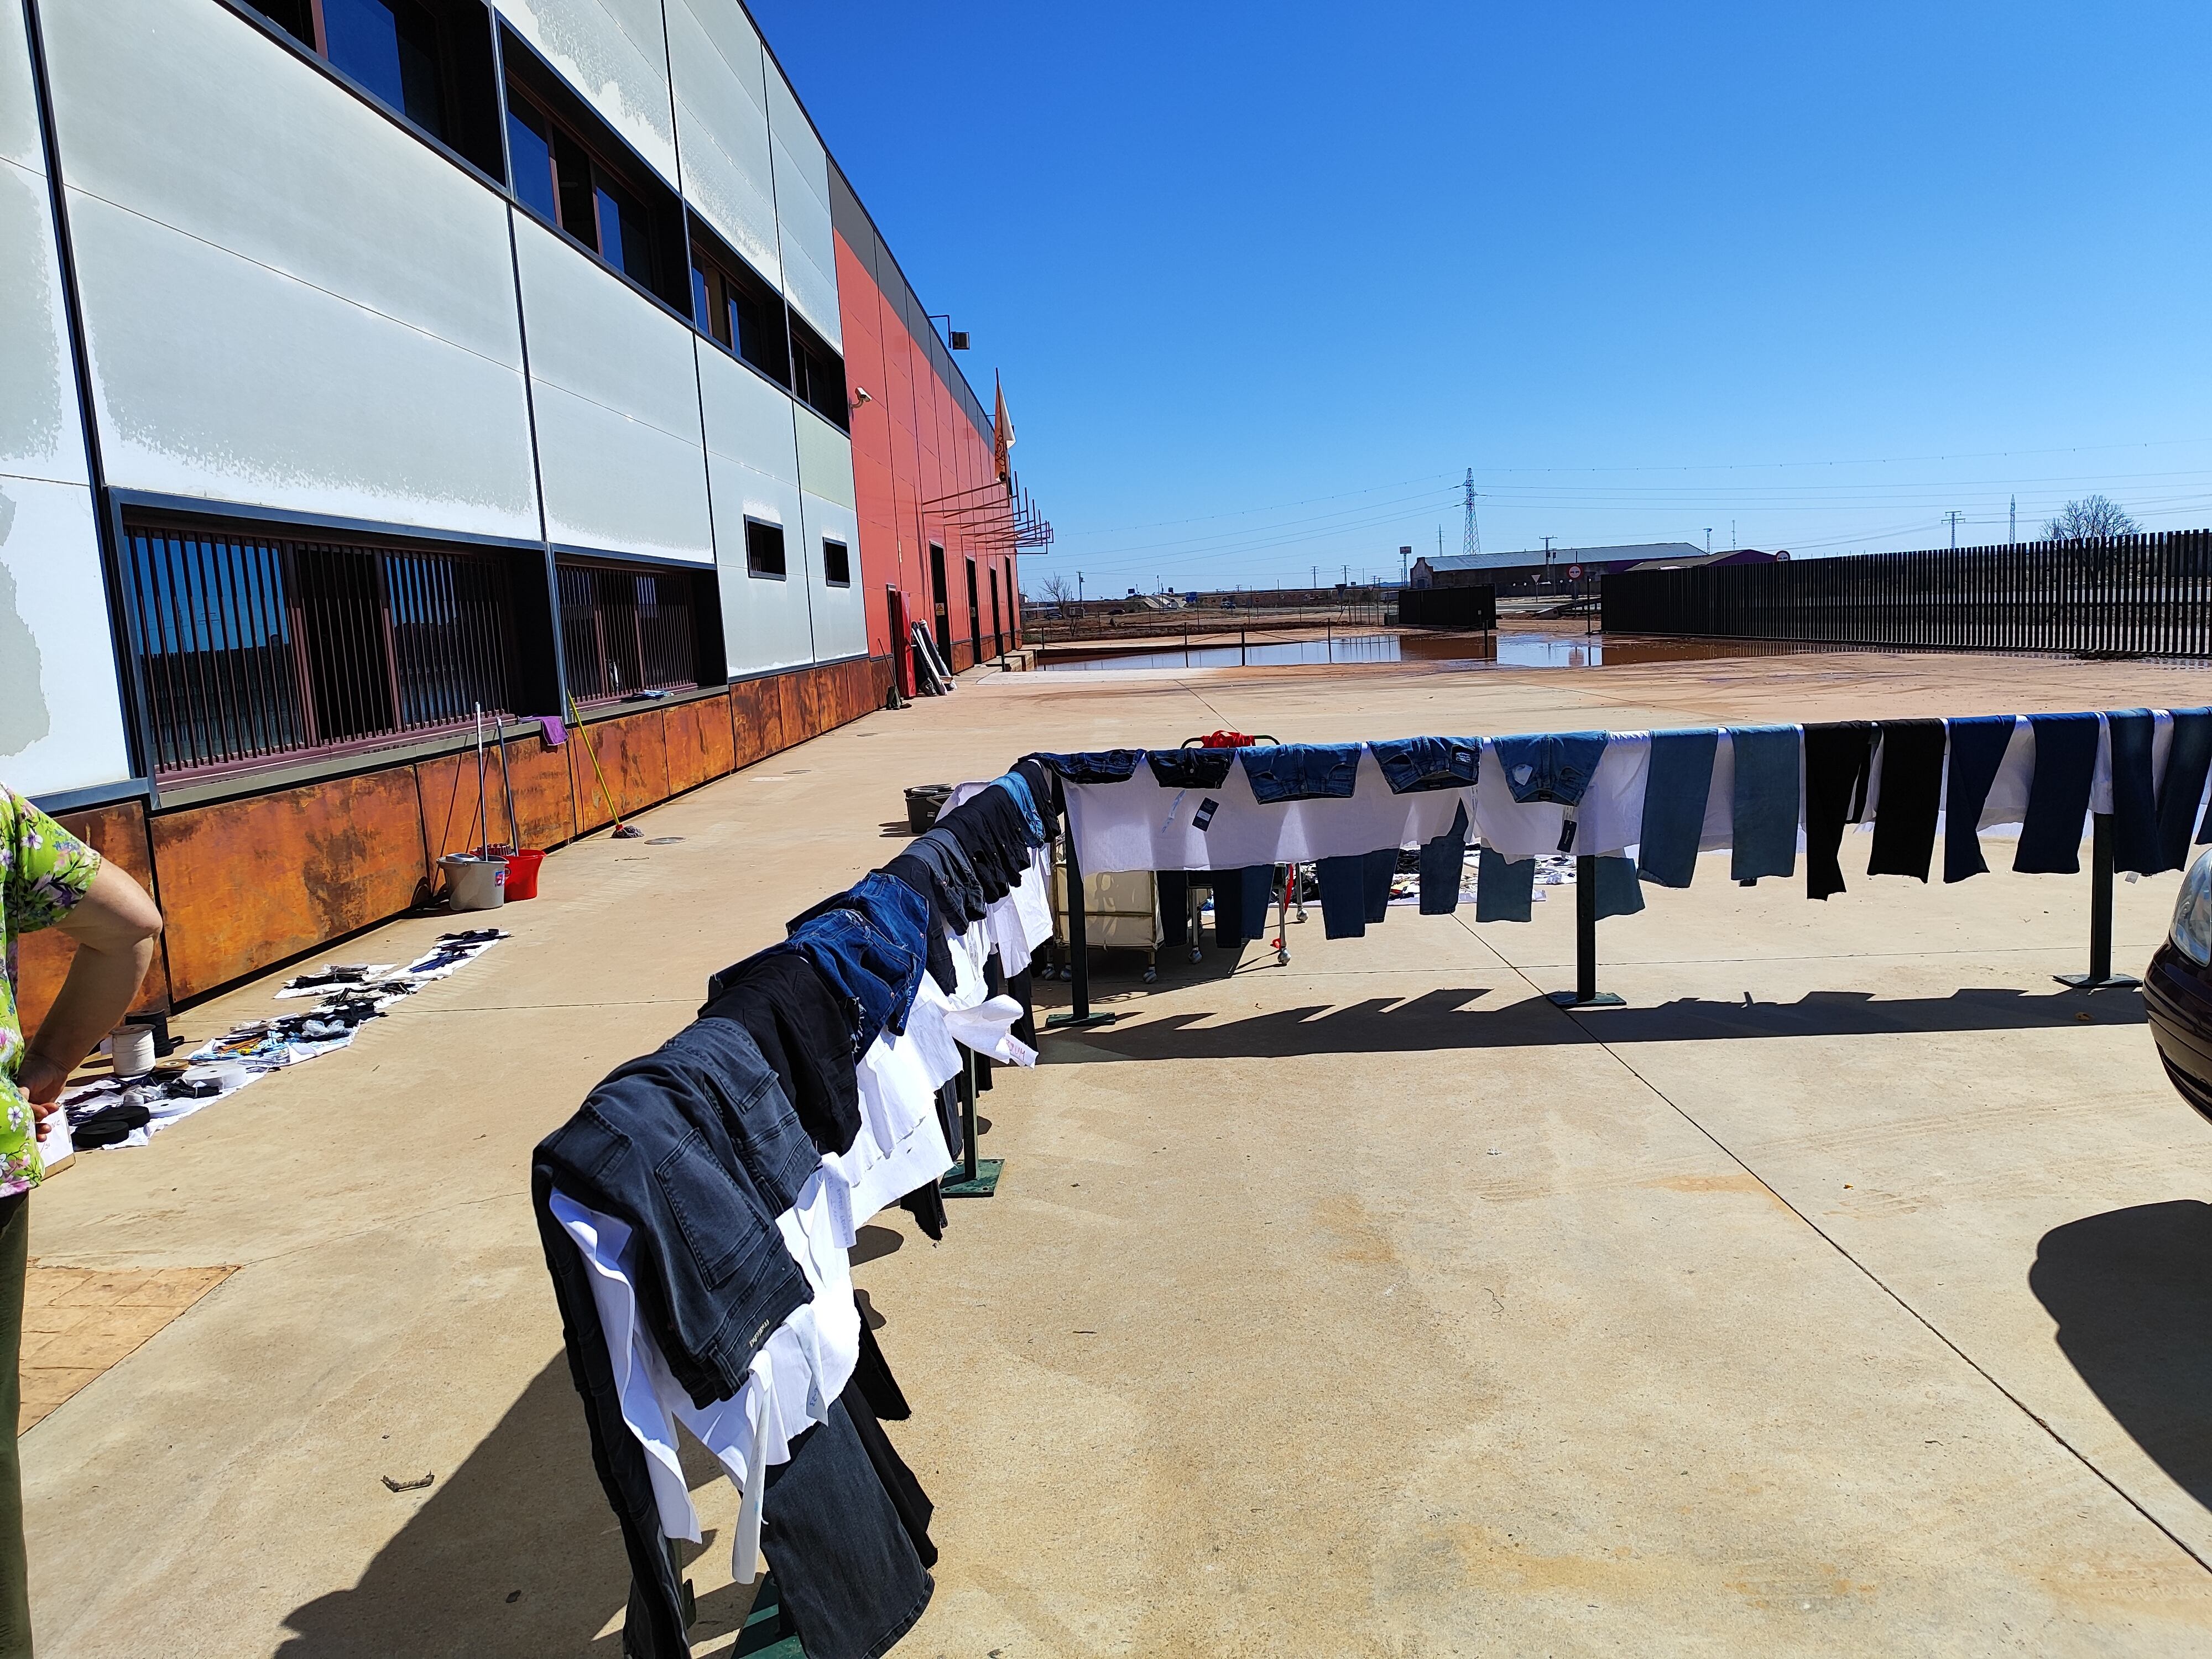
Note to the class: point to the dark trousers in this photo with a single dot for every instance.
(15, 1589)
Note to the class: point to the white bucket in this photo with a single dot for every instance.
(474, 884)
(132, 1048)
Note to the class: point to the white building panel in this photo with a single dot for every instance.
(18, 109)
(753, 461)
(748, 419)
(40, 436)
(840, 617)
(183, 112)
(614, 52)
(825, 457)
(217, 376)
(722, 124)
(61, 717)
(802, 211)
(619, 444)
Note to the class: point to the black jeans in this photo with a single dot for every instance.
(851, 1580)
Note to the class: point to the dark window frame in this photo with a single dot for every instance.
(756, 565)
(631, 627)
(723, 285)
(817, 373)
(844, 564)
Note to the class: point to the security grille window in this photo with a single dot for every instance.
(735, 307)
(836, 564)
(818, 376)
(763, 550)
(625, 630)
(430, 60)
(253, 648)
(569, 168)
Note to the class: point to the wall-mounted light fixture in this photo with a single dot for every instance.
(954, 338)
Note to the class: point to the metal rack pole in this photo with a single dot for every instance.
(1078, 941)
(2100, 976)
(976, 1177)
(1586, 993)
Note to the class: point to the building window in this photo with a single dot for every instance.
(735, 306)
(763, 550)
(836, 564)
(430, 60)
(253, 647)
(818, 376)
(624, 630)
(567, 167)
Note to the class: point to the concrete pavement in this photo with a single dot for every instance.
(1846, 1292)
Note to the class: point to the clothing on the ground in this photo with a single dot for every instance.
(1444, 865)
(1766, 787)
(1910, 765)
(2058, 797)
(1674, 794)
(2135, 844)
(44, 872)
(1838, 756)
(1504, 888)
(1977, 750)
(799, 1029)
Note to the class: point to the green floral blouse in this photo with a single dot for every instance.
(44, 872)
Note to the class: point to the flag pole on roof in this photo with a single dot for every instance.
(1002, 431)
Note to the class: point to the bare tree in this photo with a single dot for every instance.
(2091, 518)
(1056, 588)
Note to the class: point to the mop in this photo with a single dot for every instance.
(622, 831)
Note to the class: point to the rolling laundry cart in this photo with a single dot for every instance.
(1287, 875)
(1121, 912)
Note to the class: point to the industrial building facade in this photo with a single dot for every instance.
(364, 363)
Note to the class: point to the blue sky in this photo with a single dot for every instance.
(1263, 281)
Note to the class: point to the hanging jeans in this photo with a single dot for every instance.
(1355, 892)
(1300, 771)
(1190, 769)
(1553, 767)
(2187, 760)
(2134, 794)
(1765, 801)
(1836, 755)
(1977, 750)
(1619, 892)
(1504, 888)
(1173, 888)
(1096, 765)
(1240, 903)
(1411, 764)
(2059, 795)
(1444, 862)
(1681, 779)
(1911, 761)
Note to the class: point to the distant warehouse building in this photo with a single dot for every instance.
(1534, 567)
(367, 363)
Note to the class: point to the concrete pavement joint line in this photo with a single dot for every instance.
(1876, 1280)
(1872, 1276)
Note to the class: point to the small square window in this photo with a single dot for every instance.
(836, 564)
(763, 550)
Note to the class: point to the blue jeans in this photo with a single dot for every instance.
(2059, 793)
(1978, 749)
(1190, 769)
(1354, 891)
(852, 1583)
(1504, 888)
(1095, 766)
(2135, 794)
(874, 977)
(1619, 892)
(2187, 760)
(1554, 766)
(1681, 780)
(1018, 787)
(1442, 861)
(1241, 899)
(1300, 771)
(1411, 764)
(1765, 828)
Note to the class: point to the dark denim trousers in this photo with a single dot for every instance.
(1241, 899)
(1675, 795)
(1444, 862)
(1300, 771)
(1551, 766)
(2188, 758)
(1504, 888)
(1978, 749)
(851, 1583)
(1354, 891)
(1190, 769)
(1411, 764)
(1764, 831)
(875, 974)
(1095, 766)
(2059, 793)
(2134, 794)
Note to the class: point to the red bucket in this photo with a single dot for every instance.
(522, 873)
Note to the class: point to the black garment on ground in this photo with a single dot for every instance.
(653, 1627)
(1912, 792)
(796, 1024)
(938, 949)
(851, 1583)
(906, 1494)
(872, 1373)
(1836, 756)
(941, 850)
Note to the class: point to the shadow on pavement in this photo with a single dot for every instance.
(2132, 1290)
(516, 1552)
(1441, 1020)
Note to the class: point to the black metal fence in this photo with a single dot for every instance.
(2149, 596)
(1448, 607)
(253, 647)
(625, 630)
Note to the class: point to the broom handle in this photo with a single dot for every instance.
(605, 795)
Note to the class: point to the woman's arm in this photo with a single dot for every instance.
(114, 924)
